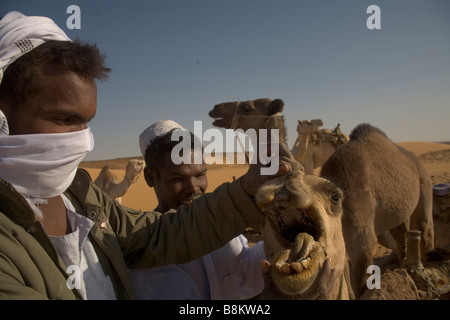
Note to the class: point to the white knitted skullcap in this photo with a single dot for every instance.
(157, 129)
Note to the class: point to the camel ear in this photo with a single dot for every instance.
(149, 176)
(276, 106)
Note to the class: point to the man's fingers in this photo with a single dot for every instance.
(327, 279)
(265, 266)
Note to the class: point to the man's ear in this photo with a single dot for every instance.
(150, 177)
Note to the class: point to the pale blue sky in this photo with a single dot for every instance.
(177, 59)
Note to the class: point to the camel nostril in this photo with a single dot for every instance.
(282, 196)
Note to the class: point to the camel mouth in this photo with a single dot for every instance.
(221, 119)
(292, 222)
(218, 122)
(221, 122)
(304, 222)
(302, 235)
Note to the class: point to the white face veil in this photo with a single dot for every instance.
(39, 166)
(43, 165)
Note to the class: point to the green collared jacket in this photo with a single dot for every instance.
(122, 237)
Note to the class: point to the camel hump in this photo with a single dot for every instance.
(364, 130)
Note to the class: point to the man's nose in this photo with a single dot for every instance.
(191, 185)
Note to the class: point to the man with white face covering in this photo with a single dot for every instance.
(60, 236)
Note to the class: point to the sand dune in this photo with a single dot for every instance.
(434, 156)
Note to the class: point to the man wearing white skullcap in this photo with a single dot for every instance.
(60, 236)
(231, 272)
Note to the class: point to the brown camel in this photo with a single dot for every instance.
(252, 114)
(386, 191)
(302, 227)
(108, 182)
(313, 146)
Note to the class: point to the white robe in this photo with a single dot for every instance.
(232, 272)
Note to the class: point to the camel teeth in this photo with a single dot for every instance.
(286, 268)
(297, 266)
(305, 263)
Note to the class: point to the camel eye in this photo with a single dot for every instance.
(335, 197)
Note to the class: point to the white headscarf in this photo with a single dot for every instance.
(19, 34)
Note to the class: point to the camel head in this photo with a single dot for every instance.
(134, 169)
(247, 114)
(302, 227)
(223, 114)
(307, 126)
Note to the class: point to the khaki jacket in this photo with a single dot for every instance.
(30, 268)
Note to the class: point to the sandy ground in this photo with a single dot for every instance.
(434, 156)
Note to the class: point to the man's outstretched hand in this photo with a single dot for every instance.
(253, 179)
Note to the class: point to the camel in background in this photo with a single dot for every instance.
(387, 192)
(252, 114)
(108, 182)
(313, 146)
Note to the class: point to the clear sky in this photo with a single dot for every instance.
(177, 59)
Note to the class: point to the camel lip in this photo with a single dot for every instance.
(215, 113)
(220, 122)
(293, 277)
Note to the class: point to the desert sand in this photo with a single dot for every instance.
(434, 156)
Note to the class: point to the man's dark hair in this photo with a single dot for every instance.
(21, 78)
(155, 154)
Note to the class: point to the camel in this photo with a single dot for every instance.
(252, 114)
(266, 114)
(107, 181)
(313, 146)
(387, 192)
(302, 227)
